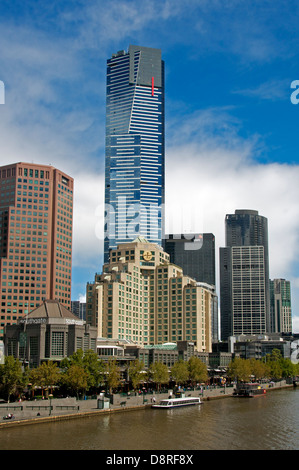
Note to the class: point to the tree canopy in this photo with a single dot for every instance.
(85, 372)
(273, 366)
(136, 374)
(113, 375)
(46, 376)
(180, 372)
(198, 371)
(159, 374)
(12, 377)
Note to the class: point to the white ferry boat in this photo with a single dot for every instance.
(176, 402)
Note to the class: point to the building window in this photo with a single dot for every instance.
(57, 348)
(79, 343)
(33, 343)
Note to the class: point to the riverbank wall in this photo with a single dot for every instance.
(44, 411)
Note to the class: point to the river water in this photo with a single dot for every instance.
(270, 422)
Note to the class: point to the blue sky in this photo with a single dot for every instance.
(231, 129)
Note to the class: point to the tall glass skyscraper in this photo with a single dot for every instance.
(244, 275)
(135, 149)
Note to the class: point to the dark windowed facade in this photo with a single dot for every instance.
(195, 253)
(244, 275)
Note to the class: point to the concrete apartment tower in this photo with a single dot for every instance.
(134, 162)
(36, 225)
(244, 275)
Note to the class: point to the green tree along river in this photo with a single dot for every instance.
(270, 422)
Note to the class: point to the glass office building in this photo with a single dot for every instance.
(134, 164)
(195, 253)
(244, 275)
(280, 306)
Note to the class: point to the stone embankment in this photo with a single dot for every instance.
(41, 411)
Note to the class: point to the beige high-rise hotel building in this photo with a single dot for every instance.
(36, 224)
(142, 297)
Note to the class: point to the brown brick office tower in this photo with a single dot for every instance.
(36, 224)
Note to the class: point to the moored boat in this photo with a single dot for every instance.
(177, 402)
(249, 390)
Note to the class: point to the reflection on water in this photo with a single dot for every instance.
(270, 422)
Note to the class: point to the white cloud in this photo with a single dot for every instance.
(271, 90)
(82, 298)
(88, 219)
(295, 322)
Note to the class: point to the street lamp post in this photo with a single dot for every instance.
(50, 398)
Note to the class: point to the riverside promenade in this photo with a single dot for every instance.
(58, 409)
